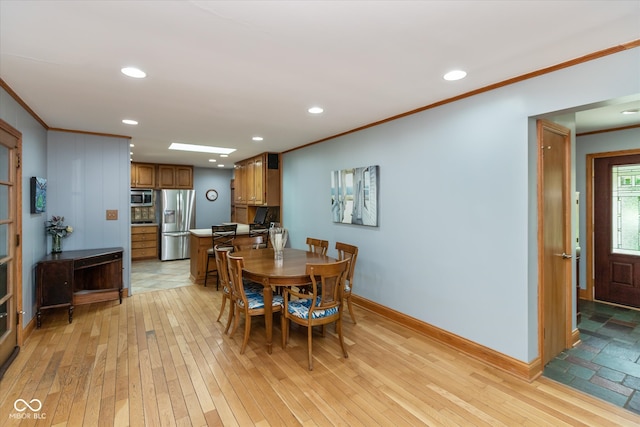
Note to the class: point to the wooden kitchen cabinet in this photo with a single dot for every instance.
(257, 180)
(144, 242)
(240, 186)
(175, 177)
(161, 176)
(256, 183)
(232, 188)
(241, 214)
(143, 175)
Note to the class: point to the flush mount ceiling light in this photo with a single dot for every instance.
(129, 122)
(455, 75)
(257, 138)
(200, 148)
(134, 72)
(635, 111)
(315, 110)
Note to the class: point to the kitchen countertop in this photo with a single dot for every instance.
(144, 224)
(206, 232)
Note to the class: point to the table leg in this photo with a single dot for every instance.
(268, 312)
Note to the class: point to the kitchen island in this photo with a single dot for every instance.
(199, 242)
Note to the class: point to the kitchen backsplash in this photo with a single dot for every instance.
(143, 214)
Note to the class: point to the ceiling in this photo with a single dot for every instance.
(221, 72)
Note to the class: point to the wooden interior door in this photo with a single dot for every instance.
(617, 258)
(555, 238)
(10, 283)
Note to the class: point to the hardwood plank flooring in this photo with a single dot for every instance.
(160, 359)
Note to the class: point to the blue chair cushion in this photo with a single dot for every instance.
(252, 287)
(256, 301)
(300, 308)
(247, 289)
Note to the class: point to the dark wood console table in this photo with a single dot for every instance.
(78, 277)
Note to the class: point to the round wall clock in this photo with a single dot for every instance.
(211, 195)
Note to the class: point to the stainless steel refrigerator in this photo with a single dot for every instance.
(177, 217)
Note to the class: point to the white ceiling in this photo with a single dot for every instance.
(220, 72)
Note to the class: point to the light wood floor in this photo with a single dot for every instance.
(161, 359)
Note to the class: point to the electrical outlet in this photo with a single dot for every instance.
(112, 214)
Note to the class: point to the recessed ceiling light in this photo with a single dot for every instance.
(212, 160)
(131, 153)
(200, 148)
(315, 110)
(220, 166)
(634, 111)
(257, 138)
(224, 155)
(131, 145)
(129, 122)
(455, 75)
(134, 72)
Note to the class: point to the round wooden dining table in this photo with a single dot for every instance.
(260, 266)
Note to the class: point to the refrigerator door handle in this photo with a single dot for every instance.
(174, 234)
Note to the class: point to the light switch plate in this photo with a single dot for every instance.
(112, 214)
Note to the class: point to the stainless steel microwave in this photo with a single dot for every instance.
(141, 197)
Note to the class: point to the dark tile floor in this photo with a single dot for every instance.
(606, 363)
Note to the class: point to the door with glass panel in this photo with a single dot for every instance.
(616, 212)
(9, 198)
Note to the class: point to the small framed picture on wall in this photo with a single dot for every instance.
(38, 195)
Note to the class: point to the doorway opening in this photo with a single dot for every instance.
(554, 238)
(613, 247)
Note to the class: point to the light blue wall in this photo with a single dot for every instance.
(456, 244)
(34, 163)
(87, 175)
(212, 213)
(590, 144)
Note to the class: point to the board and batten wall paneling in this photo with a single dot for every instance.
(87, 175)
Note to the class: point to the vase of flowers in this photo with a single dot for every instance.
(56, 228)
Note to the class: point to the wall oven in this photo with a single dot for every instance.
(141, 198)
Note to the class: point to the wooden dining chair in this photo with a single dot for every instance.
(317, 309)
(227, 291)
(317, 246)
(221, 235)
(346, 251)
(251, 304)
(241, 243)
(259, 230)
(227, 294)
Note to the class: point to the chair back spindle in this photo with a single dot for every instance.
(317, 246)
